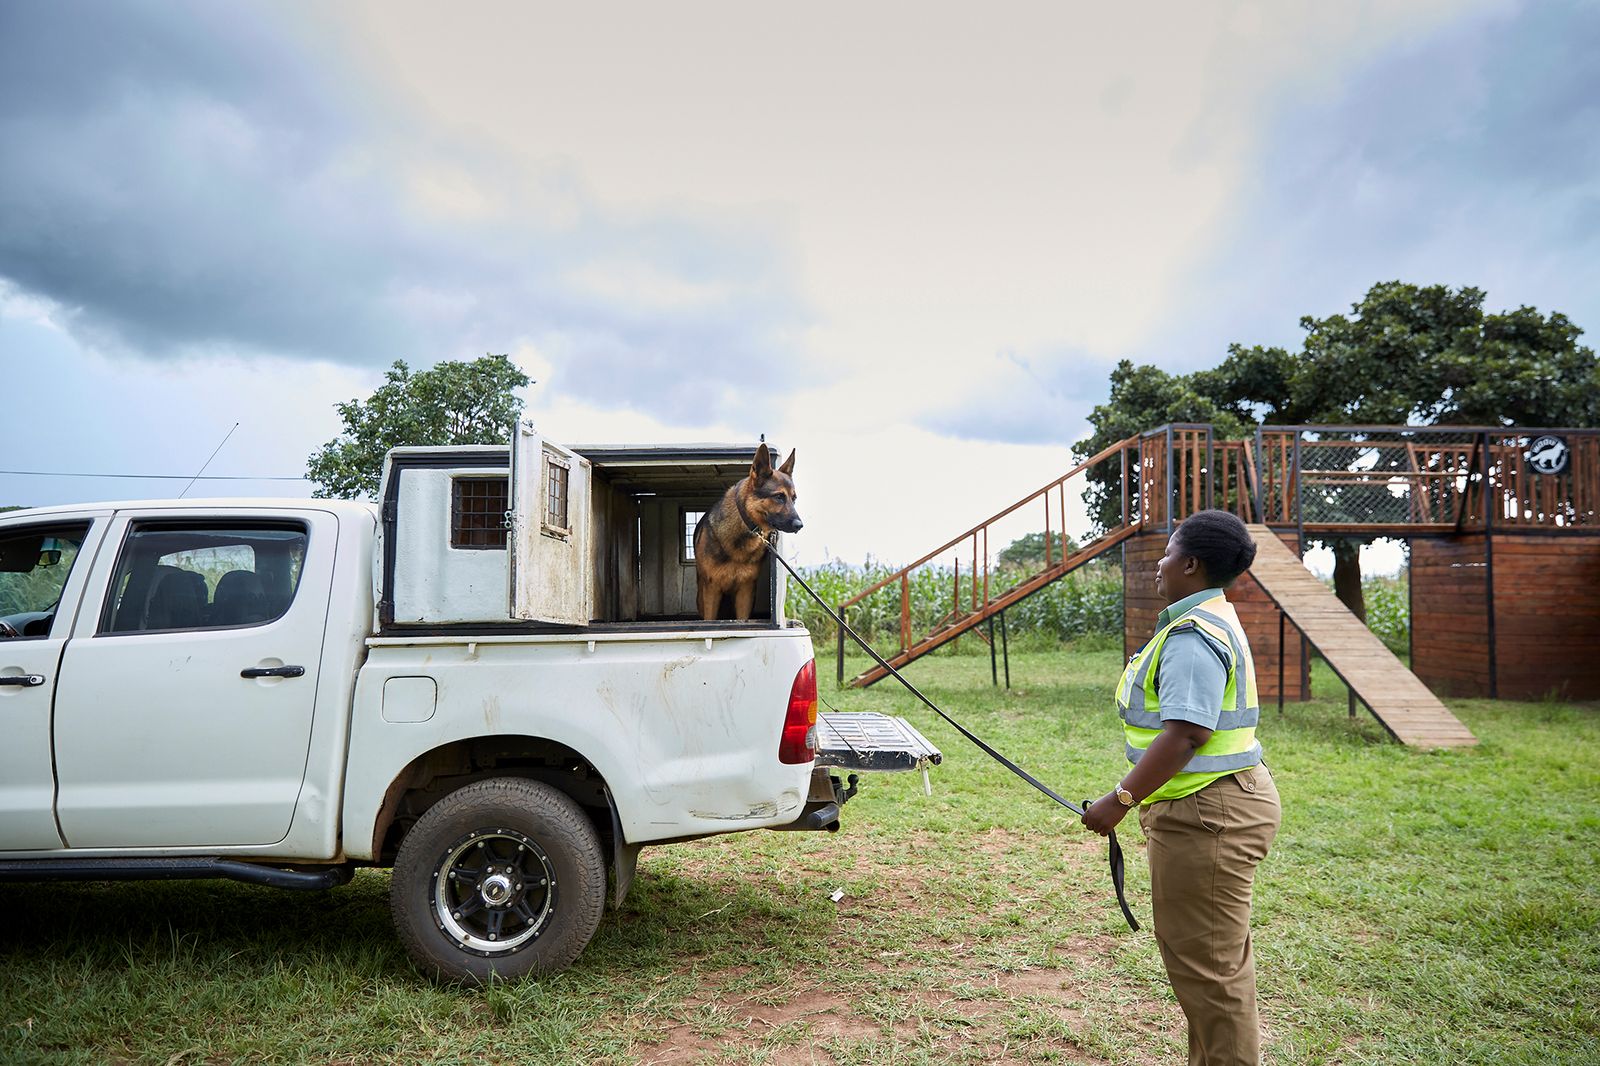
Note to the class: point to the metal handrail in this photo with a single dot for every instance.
(982, 526)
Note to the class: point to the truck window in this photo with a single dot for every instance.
(194, 576)
(34, 564)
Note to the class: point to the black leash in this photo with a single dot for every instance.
(1116, 849)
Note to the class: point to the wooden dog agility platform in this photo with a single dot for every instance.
(1397, 699)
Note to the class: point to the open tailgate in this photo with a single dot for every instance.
(866, 740)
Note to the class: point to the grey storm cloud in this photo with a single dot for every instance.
(1468, 157)
(1465, 158)
(185, 179)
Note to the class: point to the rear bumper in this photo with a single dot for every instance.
(821, 812)
(817, 817)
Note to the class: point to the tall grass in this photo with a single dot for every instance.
(1084, 608)
(1388, 601)
(1085, 604)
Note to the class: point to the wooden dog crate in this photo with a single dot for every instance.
(543, 535)
(646, 502)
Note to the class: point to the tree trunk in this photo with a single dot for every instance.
(1347, 576)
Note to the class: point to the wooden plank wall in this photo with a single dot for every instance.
(1547, 615)
(614, 525)
(1141, 606)
(1450, 614)
(666, 583)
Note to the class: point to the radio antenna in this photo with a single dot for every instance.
(205, 464)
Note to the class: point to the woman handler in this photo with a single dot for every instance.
(1208, 806)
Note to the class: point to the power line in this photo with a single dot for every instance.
(154, 477)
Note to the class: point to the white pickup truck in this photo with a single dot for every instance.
(493, 681)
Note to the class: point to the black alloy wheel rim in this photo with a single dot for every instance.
(494, 892)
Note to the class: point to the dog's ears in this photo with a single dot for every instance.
(761, 466)
(788, 464)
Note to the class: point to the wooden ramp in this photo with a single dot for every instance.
(1397, 699)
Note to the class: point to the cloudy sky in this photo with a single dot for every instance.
(909, 239)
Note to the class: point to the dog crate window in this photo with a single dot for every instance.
(690, 520)
(478, 512)
(555, 504)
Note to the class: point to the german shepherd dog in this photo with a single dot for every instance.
(730, 539)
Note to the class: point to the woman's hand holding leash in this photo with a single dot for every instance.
(1103, 815)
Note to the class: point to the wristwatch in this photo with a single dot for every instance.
(1124, 797)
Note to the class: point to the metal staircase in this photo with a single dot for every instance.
(1144, 482)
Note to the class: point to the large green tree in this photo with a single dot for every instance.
(1405, 354)
(1142, 397)
(449, 403)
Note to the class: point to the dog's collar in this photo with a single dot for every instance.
(750, 526)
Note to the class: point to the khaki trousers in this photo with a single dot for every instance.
(1203, 852)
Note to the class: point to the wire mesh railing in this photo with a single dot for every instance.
(1400, 479)
(1364, 478)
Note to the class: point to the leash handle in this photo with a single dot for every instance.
(1115, 855)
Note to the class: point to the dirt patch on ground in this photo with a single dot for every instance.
(800, 1020)
(825, 1014)
(977, 1016)
(1036, 982)
(926, 965)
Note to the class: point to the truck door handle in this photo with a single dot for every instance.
(26, 680)
(269, 671)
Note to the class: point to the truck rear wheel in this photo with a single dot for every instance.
(504, 877)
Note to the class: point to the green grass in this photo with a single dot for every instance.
(1418, 907)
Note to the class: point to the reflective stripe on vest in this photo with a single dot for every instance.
(1232, 745)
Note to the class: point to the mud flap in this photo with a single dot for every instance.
(624, 858)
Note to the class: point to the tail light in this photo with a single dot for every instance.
(799, 741)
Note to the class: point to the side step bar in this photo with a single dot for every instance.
(169, 869)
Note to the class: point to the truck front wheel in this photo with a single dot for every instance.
(502, 878)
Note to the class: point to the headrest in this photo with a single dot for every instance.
(177, 599)
(240, 598)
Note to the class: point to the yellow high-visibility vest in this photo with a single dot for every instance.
(1233, 745)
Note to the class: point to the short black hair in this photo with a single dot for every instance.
(1221, 543)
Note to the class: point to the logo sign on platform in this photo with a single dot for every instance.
(1549, 455)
